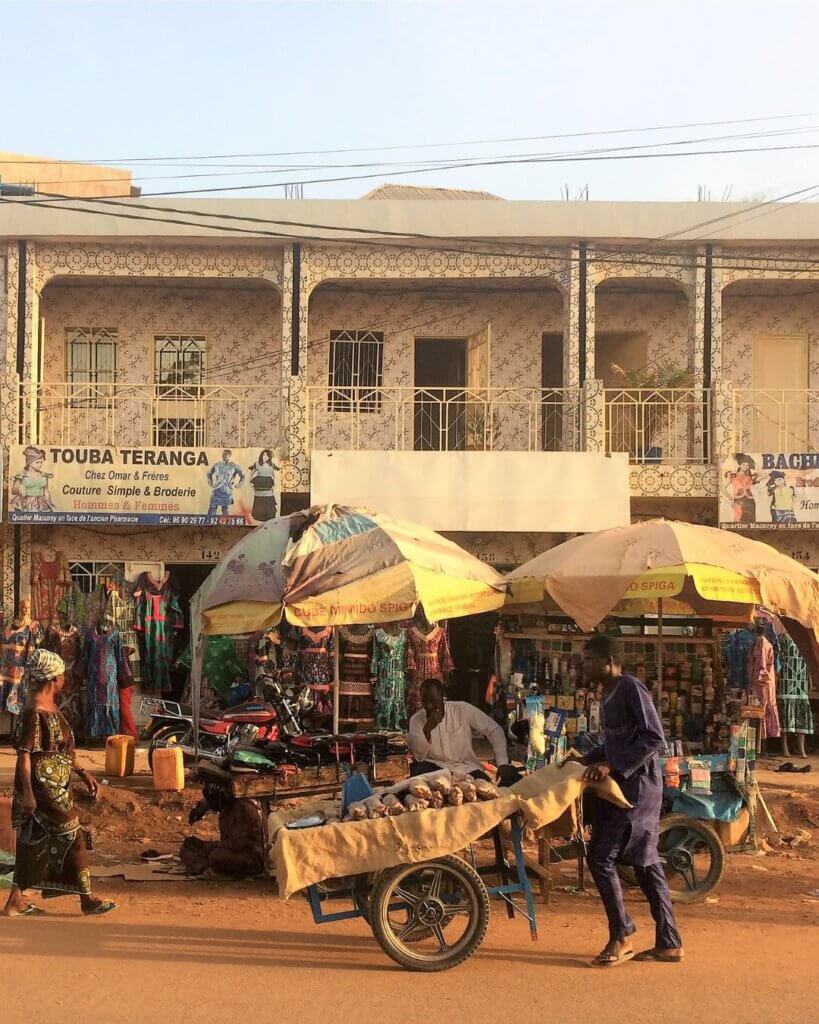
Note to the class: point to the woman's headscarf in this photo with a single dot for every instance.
(44, 665)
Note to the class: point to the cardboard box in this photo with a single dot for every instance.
(734, 833)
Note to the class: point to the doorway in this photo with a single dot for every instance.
(187, 578)
(780, 379)
(440, 402)
(472, 643)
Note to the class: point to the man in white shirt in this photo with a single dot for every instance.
(440, 736)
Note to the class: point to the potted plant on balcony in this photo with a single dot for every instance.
(645, 432)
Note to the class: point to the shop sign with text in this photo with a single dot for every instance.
(143, 486)
(770, 491)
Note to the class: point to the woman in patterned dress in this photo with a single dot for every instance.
(51, 845)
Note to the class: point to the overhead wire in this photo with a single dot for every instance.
(449, 164)
(589, 133)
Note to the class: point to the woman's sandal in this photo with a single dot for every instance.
(661, 956)
(611, 959)
(102, 908)
(29, 911)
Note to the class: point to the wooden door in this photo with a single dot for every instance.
(780, 402)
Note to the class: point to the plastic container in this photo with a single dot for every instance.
(119, 756)
(169, 769)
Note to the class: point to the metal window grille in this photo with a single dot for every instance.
(88, 575)
(179, 432)
(179, 366)
(356, 371)
(92, 364)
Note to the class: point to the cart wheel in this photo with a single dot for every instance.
(430, 917)
(692, 855)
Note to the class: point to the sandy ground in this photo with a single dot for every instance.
(198, 950)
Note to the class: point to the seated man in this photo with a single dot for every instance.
(240, 850)
(440, 736)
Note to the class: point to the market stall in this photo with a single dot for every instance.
(366, 595)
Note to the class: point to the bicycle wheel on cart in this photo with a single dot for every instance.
(692, 856)
(431, 916)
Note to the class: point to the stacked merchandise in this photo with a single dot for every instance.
(433, 791)
(546, 659)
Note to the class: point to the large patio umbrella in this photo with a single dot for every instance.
(333, 566)
(649, 565)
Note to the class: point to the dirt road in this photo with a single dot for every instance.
(194, 951)
(199, 951)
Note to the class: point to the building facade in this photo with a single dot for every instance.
(385, 350)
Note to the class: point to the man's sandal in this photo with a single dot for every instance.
(660, 956)
(611, 959)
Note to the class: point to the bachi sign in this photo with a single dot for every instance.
(769, 490)
(143, 486)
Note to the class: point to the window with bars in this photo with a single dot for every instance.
(91, 354)
(88, 575)
(356, 371)
(179, 366)
(179, 432)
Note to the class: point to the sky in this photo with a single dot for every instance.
(128, 81)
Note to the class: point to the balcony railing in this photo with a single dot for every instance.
(654, 425)
(443, 419)
(147, 415)
(775, 420)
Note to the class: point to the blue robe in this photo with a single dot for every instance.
(632, 741)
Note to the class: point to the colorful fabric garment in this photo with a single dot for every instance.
(157, 618)
(18, 643)
(67, 643)
(85, 610)
(428, 657)
(221, 665)
(795, 713)
(50, 845)
(354, 662)
(50, 583)
(120, 612)
(388, 670)
(762, 679)
(316, 650)
(106, 670)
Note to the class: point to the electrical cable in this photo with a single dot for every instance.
(435, 145)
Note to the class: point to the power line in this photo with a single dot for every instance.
(449, 164)
(432, 145)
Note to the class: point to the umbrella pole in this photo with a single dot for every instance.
(336, 678)
(660, 656)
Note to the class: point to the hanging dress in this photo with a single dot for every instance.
(157, 618)
(428, 657)
(388, 668)
(17, 644)
(106, 670)
(354, 675)
(315, 666)
(762, 684)
(794, 705)
(66, 642)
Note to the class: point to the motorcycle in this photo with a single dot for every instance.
(251, 723)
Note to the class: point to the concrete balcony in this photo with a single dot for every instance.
(183, 415)
(406, 419)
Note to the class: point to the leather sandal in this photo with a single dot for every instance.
(662, 956)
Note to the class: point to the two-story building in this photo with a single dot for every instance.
(507, 372)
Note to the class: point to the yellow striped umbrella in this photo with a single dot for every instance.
(649, 565)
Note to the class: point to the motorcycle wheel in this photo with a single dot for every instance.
(692, 855)
(167, 736)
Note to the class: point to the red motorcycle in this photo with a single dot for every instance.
(253, 722)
